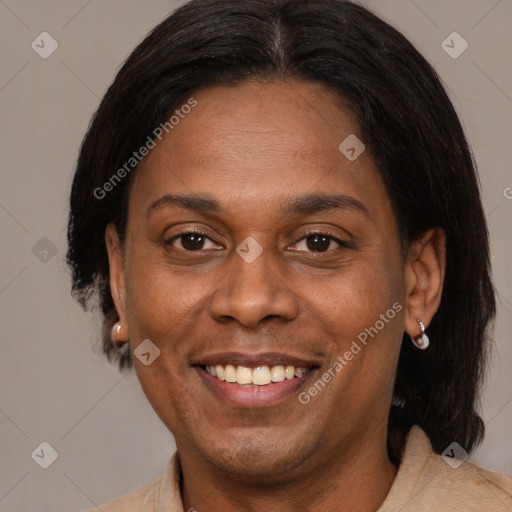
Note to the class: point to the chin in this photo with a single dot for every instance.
(257, 455)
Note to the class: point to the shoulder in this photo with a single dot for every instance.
(469, 487)
(427, 481)
(161, 494)
(139, 500)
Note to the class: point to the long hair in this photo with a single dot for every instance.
(409, 126)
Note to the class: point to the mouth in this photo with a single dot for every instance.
(260, 381)
(260, 375)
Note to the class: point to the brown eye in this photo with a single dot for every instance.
(191, 241)
(318, 243)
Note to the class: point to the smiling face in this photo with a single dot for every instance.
(261, 160)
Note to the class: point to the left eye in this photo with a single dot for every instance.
(192, 241)
(316, 243)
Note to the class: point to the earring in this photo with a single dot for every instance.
(421, 341)
(115, 335)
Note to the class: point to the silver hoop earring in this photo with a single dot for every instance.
(421, 341)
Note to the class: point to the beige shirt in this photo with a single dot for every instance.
(424, 483)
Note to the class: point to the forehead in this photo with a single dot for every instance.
(260, 140)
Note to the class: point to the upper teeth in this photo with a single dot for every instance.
(261, 375)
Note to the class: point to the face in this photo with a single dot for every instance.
(253, 245)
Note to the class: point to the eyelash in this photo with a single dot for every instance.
(341, 243)
(171, 240)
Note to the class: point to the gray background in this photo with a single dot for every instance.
(54, 384)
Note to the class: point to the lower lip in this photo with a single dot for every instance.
(252, 395)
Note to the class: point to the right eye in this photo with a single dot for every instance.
(191, 241)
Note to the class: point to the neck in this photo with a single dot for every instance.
(357, 478)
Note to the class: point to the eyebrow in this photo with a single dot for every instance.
(203, 204)
(308, 204)
(313, 203)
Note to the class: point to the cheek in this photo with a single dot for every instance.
(157, 304)
(162, 306)
(363, 314)
(354, 298)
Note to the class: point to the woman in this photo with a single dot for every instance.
(280, 214)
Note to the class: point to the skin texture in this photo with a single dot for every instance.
(253, 147)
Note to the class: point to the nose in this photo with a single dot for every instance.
(252, 293)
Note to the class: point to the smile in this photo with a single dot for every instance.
(255, 386)
(259, 376)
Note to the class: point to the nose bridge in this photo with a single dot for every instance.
(253, 289)
(253, 280)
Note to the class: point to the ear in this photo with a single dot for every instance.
(424, 279)
(116, 274)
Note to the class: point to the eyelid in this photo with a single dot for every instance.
(324, 232)
(190, 231)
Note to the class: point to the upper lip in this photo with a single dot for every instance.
(254, 359)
